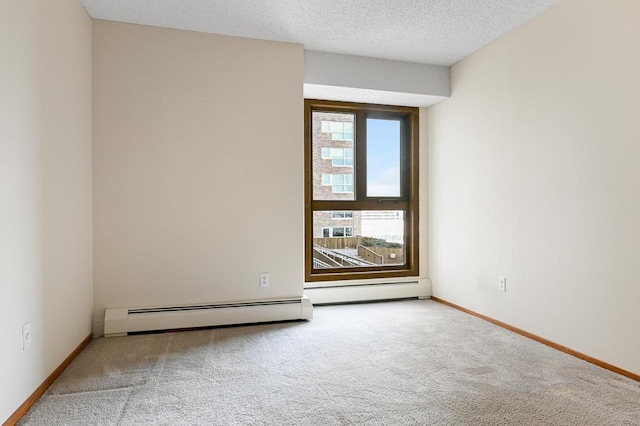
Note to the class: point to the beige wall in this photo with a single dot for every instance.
(534, 175)
(198, 167)
(45, 190)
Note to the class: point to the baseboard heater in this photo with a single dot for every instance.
(120, 321)
(368, 291)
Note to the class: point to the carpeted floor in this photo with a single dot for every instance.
(393, 363)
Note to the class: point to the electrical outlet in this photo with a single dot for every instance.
(502, 284)
(264, 279)
(26, 336)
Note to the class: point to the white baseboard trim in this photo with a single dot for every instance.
(368, 291)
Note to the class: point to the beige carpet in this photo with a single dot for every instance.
(393, 363)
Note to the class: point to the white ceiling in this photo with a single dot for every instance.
(438, 32)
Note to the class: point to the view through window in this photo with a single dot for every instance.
(361, 194)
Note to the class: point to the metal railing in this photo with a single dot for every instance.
(342, 258)
(319, 264)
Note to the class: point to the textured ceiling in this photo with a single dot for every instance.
(439, 32)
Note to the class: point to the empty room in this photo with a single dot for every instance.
(319, 212)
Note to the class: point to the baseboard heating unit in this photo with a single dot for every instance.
(371, 290)
(120, 321)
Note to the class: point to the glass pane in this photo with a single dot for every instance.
(369, 238)
(336, 127)
(383, 158)
(332, 155)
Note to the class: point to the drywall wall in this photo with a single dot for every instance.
(45, 190)
(198, 167)
(360, 79)
(333, 69)
(534, 176)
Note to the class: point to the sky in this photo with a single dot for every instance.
(383, 157)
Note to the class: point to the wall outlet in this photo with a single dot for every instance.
(502, 284)
(26, 336)
(264, 279)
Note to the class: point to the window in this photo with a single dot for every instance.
(339, 130)
(342, 215)
(376, 196)
(338, 183)
(337, 231)
(340, 157)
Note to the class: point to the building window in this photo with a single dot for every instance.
(340, 157)
(338, 183)
(339, 130)
(342, 215)
(378, 194)
(337, 231)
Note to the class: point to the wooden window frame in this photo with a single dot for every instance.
(407, 202)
